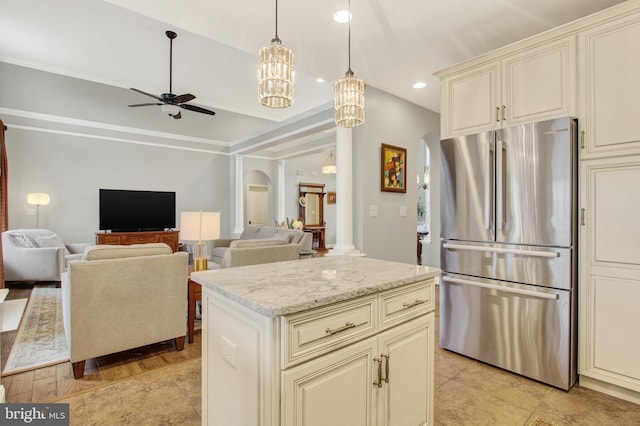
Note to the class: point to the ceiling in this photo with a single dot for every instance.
(394, 43)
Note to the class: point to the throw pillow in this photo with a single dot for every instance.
(50, 241)
(22, 240)
(282, 236)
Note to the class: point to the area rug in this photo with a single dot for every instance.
(12, 311)
(40, 340)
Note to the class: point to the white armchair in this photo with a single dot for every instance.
(36, 255)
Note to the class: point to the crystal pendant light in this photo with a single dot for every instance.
(275, 73)
(349, 95)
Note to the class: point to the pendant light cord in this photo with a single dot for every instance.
(276, 38)
(349, 49)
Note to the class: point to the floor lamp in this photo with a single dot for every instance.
(200, 227)
(37, 199)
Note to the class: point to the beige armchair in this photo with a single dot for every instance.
(123, 297)
(36, 254)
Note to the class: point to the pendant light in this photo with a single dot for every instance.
(349, 94)
(330, 167)
(275, 73)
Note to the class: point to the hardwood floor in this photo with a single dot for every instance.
(54, 382)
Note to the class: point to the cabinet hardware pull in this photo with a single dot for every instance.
(346, 326)
(582, 139)
(379, 382)
(386, 367)
(414, 303)
(582, 220)
(498, 114)
(504, 108)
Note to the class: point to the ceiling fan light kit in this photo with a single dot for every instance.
(168, 102)
(349, 95)
(275, 73)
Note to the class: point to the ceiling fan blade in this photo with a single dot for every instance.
(139, 105)
(145, 93)
(197, 109)
(183, 98)
(177, 116)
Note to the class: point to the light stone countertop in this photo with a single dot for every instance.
(282, 288)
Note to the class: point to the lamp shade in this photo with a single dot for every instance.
(38, 199)
(198, 226)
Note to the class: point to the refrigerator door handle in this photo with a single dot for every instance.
(488, 185)
(532, 253)
(499, 184)
(514, 290)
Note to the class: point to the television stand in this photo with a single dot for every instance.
(127, 238)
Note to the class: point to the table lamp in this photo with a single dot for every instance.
(200, 226)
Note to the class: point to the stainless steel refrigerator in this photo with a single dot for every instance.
(508, 249)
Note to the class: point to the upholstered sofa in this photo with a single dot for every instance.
(123, 297)
(263, 238)
(36, 255)
(257, 251)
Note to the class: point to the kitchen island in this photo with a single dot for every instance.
(325, 341)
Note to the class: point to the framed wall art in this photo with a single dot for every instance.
(331, 197)
(393, 174)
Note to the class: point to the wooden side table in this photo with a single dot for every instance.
(195, 294)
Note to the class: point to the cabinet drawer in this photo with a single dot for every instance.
(399, 305)
(139, 239)
(318, 331)
(108, 239)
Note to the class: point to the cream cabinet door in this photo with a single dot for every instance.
(539, 83)
(610, 89)
(470, 101)
(406, 395)
(532, 84)
(610, 269)
(335, 389)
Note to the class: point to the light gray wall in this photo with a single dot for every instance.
(392, 121)
(69, 137)
(71, 169)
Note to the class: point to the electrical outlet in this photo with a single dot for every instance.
(229, 352)
(30, 212)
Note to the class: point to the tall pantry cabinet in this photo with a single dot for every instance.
(609, 336)
(593, 68)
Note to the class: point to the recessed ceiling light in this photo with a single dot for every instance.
(420, 85)
(342, 16)
(320, 80)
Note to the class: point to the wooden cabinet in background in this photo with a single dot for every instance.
(127, 238)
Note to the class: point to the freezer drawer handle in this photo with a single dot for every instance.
(549, 296)
(533, 253)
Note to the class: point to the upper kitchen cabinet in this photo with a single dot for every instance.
(610, 87)
(521, 84)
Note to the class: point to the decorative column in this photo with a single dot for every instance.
(281, 191)
(239, 219)
(344, 200)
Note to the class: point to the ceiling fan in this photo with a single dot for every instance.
(168, 102)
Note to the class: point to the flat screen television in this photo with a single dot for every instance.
(128, 210)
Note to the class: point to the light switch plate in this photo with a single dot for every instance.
(403, 211)
(373, 210)
(30, 212)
